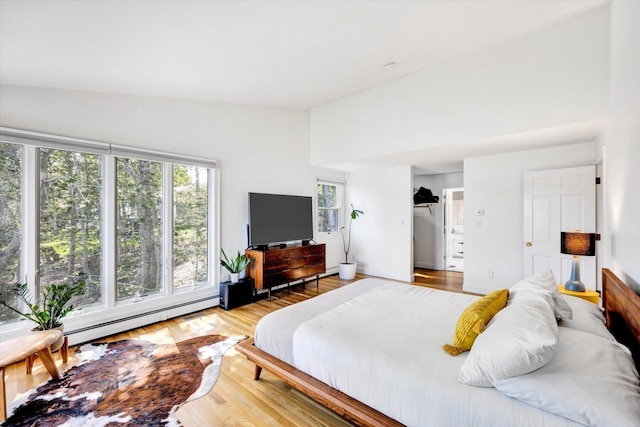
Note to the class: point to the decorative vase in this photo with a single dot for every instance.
(347, 270)
(235, 277)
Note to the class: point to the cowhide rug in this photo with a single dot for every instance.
(125, 383)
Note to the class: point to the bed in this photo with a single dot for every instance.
(372, 352)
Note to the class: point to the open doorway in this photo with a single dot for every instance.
(429, 248)
(454, 229)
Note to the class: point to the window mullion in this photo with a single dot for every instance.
(340, 201)
(109, 254)
(213, 220)
(31, 218)
(167, 226)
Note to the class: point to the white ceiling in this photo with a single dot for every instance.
(293, 54)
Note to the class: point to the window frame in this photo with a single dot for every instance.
(170, 233)
(340, 194)
(38, 274)
(165, 215)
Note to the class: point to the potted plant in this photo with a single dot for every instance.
(235, 265)
(346, 269)
(54, 304)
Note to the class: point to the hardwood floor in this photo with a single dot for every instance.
(236, 399)
(445, 280)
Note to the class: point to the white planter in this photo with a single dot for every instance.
(235, 277)
(56, 345)
(347, 270)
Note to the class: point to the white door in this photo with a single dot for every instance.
(554, 201)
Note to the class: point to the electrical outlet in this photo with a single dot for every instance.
(479, 223)
(490, 274)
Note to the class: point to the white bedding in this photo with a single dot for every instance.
(388, 354)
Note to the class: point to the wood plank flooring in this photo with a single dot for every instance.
(236, 399)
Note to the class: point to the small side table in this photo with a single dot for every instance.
(18, 349)
(591, 296)
(64, 353)
(234, 295)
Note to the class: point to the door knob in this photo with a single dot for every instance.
(529, 244)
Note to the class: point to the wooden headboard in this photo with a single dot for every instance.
(622, 310)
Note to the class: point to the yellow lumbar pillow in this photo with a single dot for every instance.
(474, 319)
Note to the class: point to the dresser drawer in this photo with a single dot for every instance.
(285, 265)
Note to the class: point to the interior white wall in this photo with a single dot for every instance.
(494, 184)
(622, 174)
(553, 77)
(380, 236)
(258, 149)
(428, 226)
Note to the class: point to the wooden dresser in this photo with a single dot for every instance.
(279, 266)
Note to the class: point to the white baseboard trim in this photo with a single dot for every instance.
(428, 266)
(474, 289)
(385, 274)
(330, 271)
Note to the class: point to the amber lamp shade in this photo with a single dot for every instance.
(577, 244)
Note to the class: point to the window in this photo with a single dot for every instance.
(190, 235)
(137, 223)
(10, 220)
(71, 219)
(139, 230)
(329, 206)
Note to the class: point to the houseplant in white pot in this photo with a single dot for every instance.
(346, 269)
(48, 310)
(235, 265)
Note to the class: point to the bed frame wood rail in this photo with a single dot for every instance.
(622, 310)
(622, 307)
(351, 409)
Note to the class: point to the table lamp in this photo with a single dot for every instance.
(576, 244)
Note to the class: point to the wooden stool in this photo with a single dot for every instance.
(64, 353)
(18, 349)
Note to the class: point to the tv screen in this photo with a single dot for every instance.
(277, 218)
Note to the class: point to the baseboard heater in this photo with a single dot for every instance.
(141, 315)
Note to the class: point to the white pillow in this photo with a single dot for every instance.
(544, 281)
(590, 380)
(520, 338)
(587, 317)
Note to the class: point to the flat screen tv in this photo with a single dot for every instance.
(279, 218)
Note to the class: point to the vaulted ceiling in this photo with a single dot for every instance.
(292, 54)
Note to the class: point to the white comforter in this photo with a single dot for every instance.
(380, 342)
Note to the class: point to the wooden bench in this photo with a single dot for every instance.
(26, 348)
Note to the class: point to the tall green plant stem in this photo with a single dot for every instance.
(346, 242)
